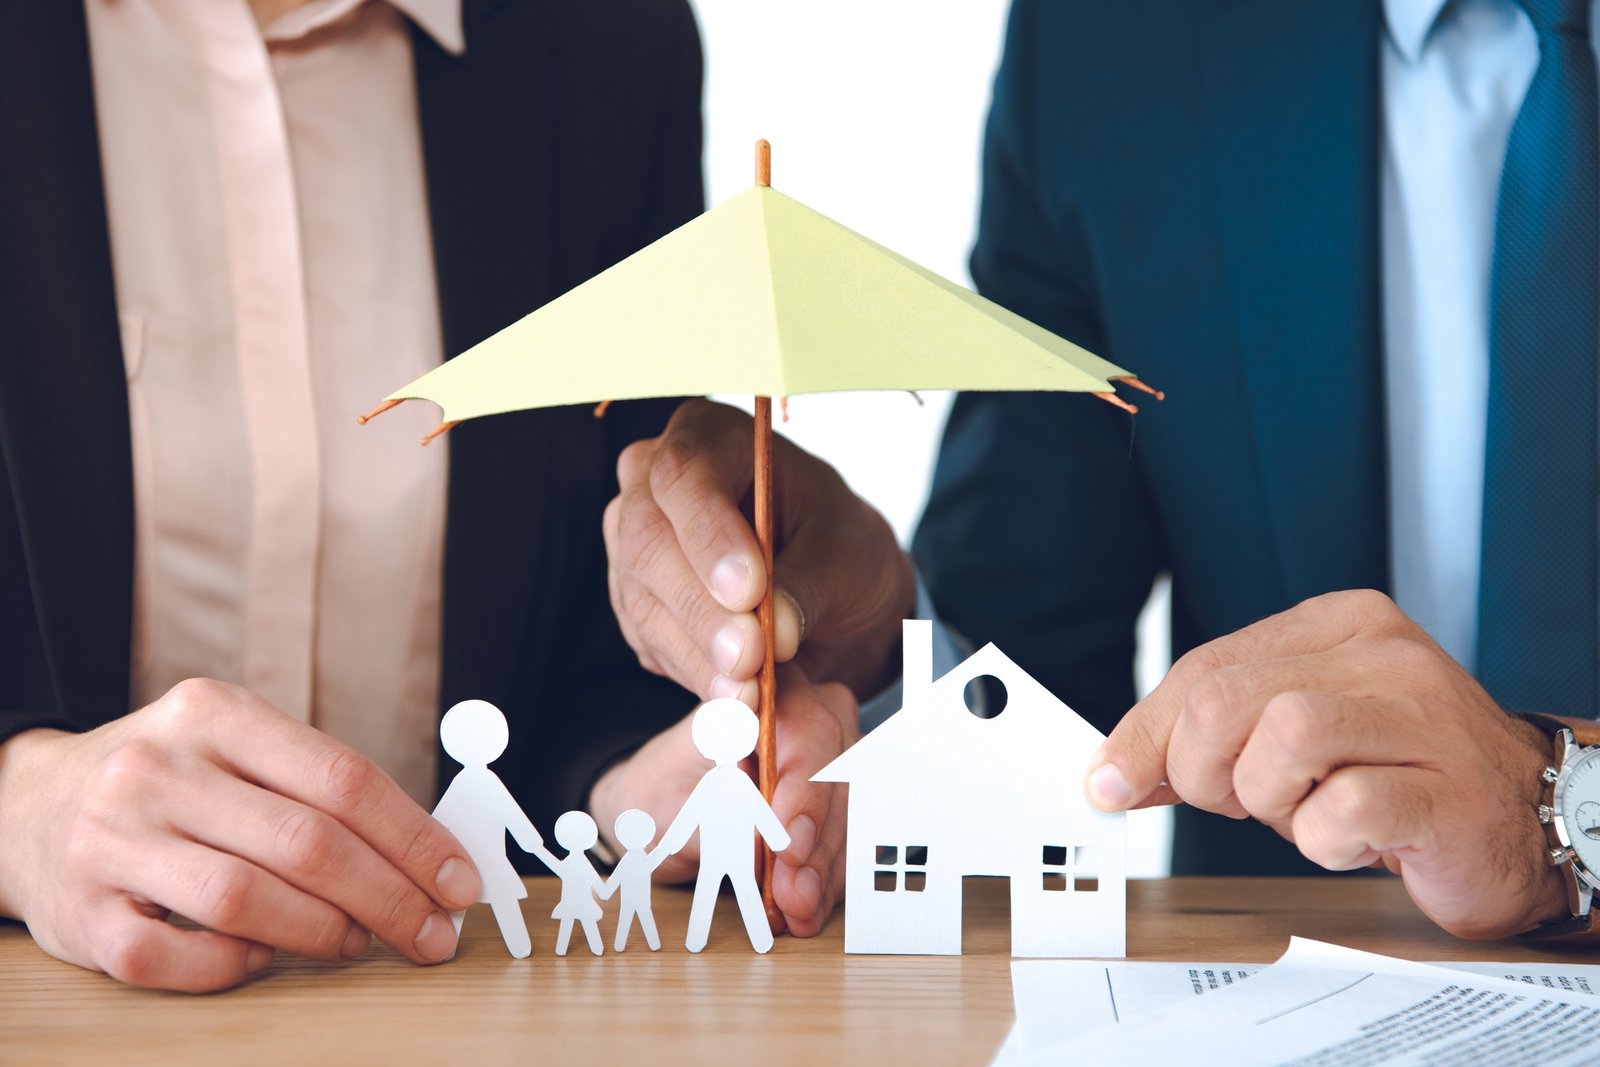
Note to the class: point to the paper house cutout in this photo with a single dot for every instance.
(938, 793)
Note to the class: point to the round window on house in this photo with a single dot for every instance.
(985, 696)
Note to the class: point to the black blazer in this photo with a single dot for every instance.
(565, 138)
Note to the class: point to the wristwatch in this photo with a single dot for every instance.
(1571, 818)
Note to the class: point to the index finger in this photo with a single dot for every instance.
(700, 470)
(304, 764)
(1130, 768)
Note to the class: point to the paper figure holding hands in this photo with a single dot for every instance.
(726, 807)
(577, 833)
(478, 809)
(634, 829)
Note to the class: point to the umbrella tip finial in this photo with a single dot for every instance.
(763, 162)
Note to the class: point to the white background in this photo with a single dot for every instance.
(875, 112)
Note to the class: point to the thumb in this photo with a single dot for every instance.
(842, 588)
(802, 595)
(1130, 768)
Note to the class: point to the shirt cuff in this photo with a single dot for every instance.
(949, 649)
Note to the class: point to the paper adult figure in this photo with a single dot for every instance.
(479, 809)
(577, 833)
(634, 829)
(727, 808)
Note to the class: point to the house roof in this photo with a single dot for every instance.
(936, 723)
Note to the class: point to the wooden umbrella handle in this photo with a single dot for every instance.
(767, 681)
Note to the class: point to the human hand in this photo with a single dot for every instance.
(815, 723)
(212, 804)
(1344, 727)
(686, 573)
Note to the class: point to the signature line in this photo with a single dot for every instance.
(1318, 1000)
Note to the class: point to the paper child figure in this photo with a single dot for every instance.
(634, 830)
(479, 809)
(726, 807)
(577, 833)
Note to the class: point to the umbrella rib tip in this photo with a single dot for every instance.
(362, 420)
(1116, 401)
(1133, 381)
(442, 428)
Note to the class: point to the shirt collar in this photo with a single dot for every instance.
(1409, 23)
(439, 19)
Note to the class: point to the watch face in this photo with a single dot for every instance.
(1578, 802)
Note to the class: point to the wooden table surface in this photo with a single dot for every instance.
(806, 1002)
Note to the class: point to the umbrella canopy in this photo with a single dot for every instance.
(760, 295)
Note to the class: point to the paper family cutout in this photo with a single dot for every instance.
(634, 831)
(937, 794)
(725, 809)
(478, 809)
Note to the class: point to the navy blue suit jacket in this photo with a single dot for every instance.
(1189, 188)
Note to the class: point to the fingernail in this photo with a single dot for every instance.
(802, 839)
(1108, 789)
(799, 616)
(457, 883)
(808, 887)
(730, 581)
(257, 959)
(723, 686)
(727, 648)
(355, 942)
(436, 940)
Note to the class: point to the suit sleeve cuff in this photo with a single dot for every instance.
(13, 723)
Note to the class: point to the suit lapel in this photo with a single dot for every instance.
(488, 131)
(1293, 104)
(63, 395)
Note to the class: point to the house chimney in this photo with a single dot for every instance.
(916, 638)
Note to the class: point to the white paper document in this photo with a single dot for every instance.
(1320, 1004)
(1058, 999)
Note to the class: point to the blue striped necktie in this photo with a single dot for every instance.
(1538, 637)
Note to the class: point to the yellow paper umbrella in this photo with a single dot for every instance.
(759, 295)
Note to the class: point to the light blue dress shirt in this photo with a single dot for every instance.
(1454, 76)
